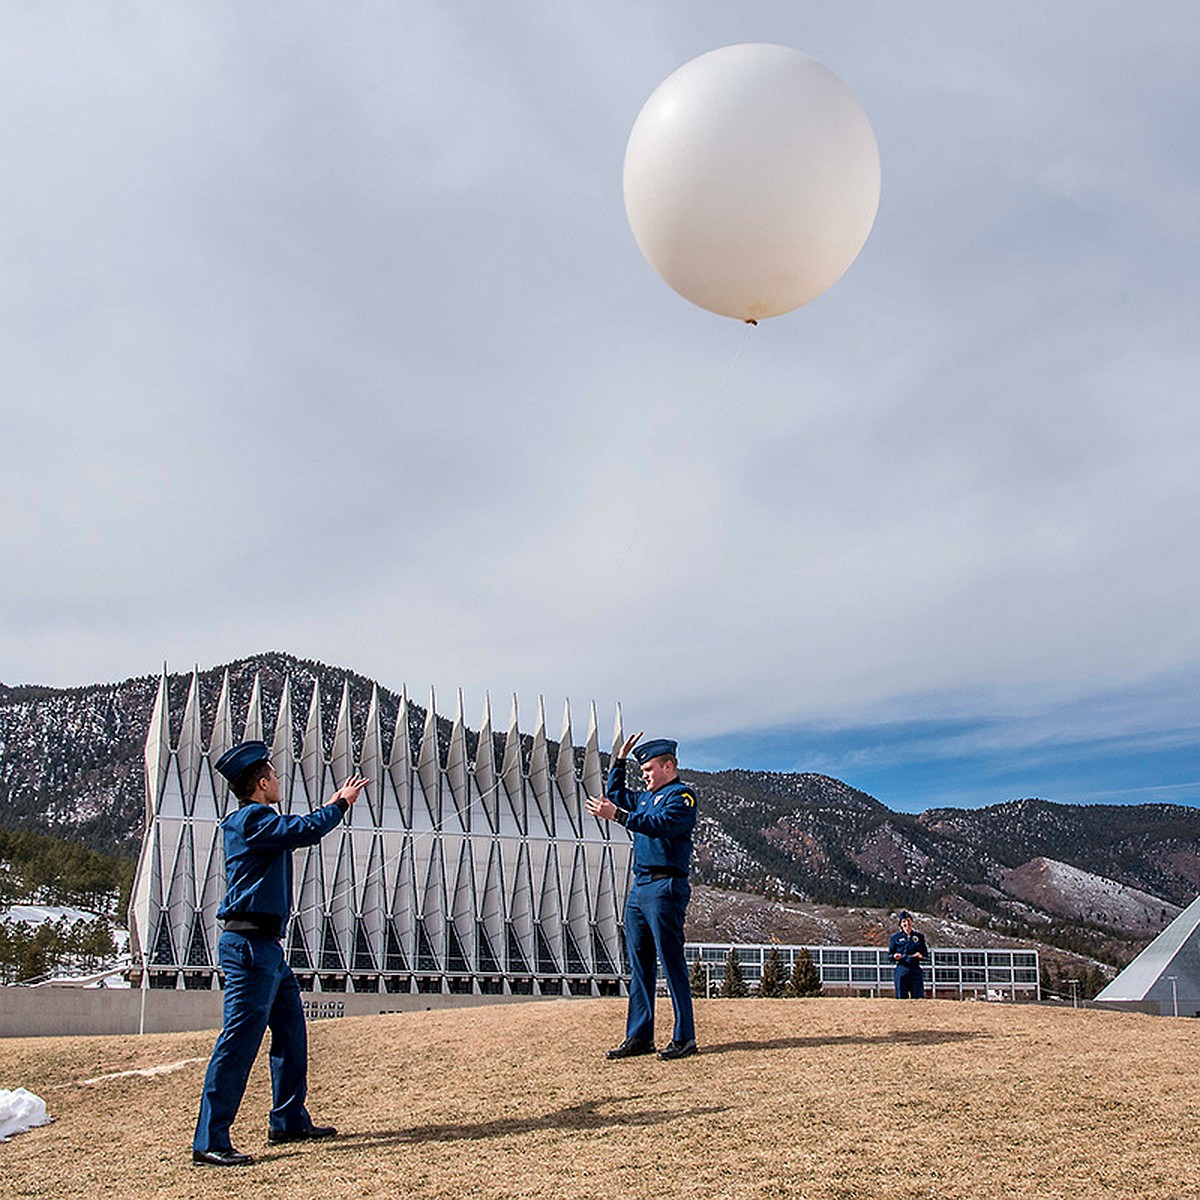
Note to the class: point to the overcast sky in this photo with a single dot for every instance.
(322, 330)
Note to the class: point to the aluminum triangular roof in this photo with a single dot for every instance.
(1176, 951)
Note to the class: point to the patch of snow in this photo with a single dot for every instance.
(35, 914)
(147, 1072)
(1061, 888)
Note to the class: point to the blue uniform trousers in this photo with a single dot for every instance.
(910, 982)
(654, 916)
(260, 993)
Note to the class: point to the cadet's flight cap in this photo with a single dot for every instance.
(233, 762)
(904, 916)
(653, 749)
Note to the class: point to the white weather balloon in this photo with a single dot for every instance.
(751, 180)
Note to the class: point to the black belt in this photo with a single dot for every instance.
(655, 876)
(249, 928)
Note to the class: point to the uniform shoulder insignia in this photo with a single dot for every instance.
(688, 796)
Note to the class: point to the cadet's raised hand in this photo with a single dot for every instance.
(350, 790)
(629, 744)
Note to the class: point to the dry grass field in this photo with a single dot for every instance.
(836, 1099)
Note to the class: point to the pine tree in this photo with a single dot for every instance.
(772, 984)
(1093, 982)
(8, 953)
(733, 986)
(698, 979)
(36, 953)
(1058, 985)
(805, 979)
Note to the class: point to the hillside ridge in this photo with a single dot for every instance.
(71, 765)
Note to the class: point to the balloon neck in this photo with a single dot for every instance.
(751, 321)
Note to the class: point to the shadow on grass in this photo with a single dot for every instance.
(903, 1037)
(579, 1118)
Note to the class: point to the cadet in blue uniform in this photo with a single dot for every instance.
(260, 990)
(908, 951)
(661, 820)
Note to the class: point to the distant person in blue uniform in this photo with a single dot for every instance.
(908, 951)
(260, 990)
(661, 820)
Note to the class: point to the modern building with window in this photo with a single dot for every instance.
(452, 874)
(958, 974)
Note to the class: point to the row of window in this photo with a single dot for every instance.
(936, 976)
(869, 976)
(839, 956)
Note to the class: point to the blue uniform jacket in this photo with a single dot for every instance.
(906, 946)
(258, 858)
(661, 822)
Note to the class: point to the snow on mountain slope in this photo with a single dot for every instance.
(1068, 891)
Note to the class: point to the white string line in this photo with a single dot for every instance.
(737, 354)
(413, 835)
(614, 574)
(409, 837)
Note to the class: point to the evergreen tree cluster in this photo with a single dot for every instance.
(775, 982)
(1071, 983)
(31, 950)
(39, 869)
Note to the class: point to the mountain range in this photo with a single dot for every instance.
(1098, 880)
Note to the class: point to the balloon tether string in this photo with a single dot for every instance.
(614, 574)
(736, 354)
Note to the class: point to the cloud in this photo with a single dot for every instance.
(1113, 746)
(327, 334)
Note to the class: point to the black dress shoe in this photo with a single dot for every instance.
(631, 1048)
(312, 1133)
(221, 1158)
(674, 1049)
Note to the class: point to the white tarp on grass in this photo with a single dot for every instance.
(20, 1110)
